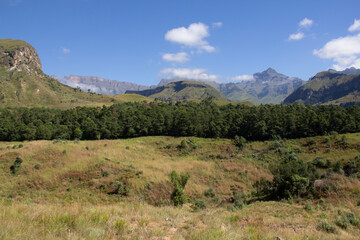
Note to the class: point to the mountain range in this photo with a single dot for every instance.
(23, 83)
(266, 87)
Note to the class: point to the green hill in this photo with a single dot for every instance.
(328, 88)
(22, 82)
(182, 90)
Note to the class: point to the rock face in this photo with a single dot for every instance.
(99, 85)
(19, 55)
(270, 86)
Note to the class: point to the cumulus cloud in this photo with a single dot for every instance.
(241, 78)
(193, 36)
(65, 50)
(355, 26)
(217, 24)
(176, 57)
(296, 36)
(306, 23)
(345, 51)
(197, 74)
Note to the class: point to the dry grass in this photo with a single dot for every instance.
(62, 191)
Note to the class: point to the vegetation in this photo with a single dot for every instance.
(204, 119)
(121, 188)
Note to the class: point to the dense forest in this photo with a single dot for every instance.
(204, 119)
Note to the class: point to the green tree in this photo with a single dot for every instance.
(178, 196)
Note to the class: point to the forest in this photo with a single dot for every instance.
(203, 119)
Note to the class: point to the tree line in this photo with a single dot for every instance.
(204, 119)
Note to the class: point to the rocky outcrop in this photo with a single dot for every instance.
(19, 55)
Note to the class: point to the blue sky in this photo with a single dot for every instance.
(142, 41)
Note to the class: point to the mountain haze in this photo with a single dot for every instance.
(99, 85)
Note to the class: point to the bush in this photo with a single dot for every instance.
(319, 162)
(178, 196)
(16, 166)
(292, 178)
(239, 142)
(342, 221)
(327, 227)
(198, 205)
(209, 193)
(239, 200)
(308, 206)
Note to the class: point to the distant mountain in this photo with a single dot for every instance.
(99, 85)
(270, 86)
(181, 90)
(23, 83)
(328, 88)
(265, 87)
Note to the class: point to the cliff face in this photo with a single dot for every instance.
(19, 55)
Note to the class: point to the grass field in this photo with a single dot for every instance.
(70, 190)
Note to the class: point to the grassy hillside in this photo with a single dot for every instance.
(33, 90)
(22, 82)
(182, 90)
(328, 88)
(121, 189)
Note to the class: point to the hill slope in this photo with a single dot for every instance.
(182, 90)
(22, 82)
(120, 189)
(327, 88)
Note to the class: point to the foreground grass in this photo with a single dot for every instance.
(65, 190)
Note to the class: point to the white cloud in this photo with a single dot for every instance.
(188, 74)
(65, 50)
(296, 36)
(241, 78)
(306, 23)
(355, 26)
(345, 51)
(176, 57)
(217, 24)
(193, 36)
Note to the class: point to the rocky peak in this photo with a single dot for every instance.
(270, 75)
(19, 55)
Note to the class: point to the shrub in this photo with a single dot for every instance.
(209, 193)
(308, 206)
(16, 166)
(198, 205)
(37, 166)
(319, 162)
(239, 142)
(178, 196)
(239, 200)
(342, 221)
(327, 227)
(292, 178)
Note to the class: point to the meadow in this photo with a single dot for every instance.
(120, 189)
